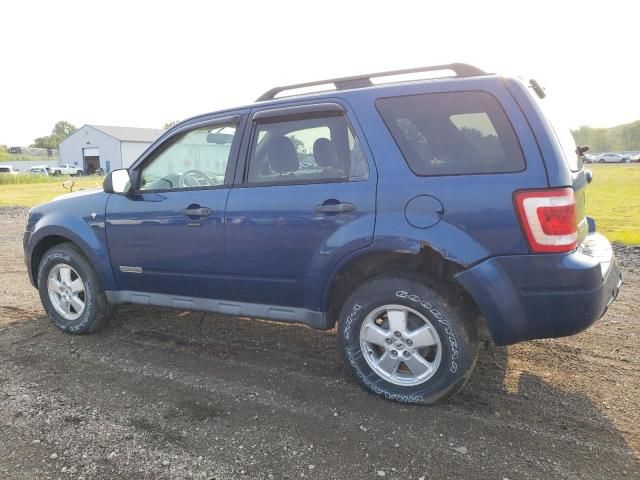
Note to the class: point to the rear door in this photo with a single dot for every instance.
(303, 200)
(167, 236)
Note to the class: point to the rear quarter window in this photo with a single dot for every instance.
(452, 133)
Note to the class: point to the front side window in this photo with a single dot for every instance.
(452, 133)
(300, 150)
(197, 159)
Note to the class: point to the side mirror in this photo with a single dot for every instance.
(117, 181)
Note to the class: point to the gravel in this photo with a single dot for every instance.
(164, 394)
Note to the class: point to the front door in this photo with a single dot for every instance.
(305, 201)
(167, 236)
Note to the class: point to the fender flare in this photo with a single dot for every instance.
(90, 238)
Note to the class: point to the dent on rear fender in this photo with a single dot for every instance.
(415, 251)
(453, 243)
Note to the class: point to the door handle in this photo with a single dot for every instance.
(335, 208)
(197, 212)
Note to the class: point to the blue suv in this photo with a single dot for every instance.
(411, 215)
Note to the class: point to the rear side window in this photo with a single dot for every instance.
(452, 133)
(306, 150)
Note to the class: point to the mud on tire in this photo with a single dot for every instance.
(376, 303)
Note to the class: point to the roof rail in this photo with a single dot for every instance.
(360, 81)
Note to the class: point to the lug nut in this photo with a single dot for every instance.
(389, 341)
(406, 354)
(394, 353)
(409, 342)
(397, 334)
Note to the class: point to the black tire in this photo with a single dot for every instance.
(458, 337)
(97, 311)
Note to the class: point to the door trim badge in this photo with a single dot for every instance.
(128, 269)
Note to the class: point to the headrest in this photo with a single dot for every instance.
(282, 155)
(325, 153)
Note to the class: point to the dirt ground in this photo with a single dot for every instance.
(170, 394)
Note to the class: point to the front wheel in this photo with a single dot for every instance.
(403, 341)
(71, 292)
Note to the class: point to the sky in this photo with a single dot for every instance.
(143, 63)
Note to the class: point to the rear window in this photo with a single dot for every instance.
(452, 133)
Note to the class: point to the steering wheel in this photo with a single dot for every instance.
(194, 178)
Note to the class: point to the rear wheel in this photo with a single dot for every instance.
(71, 292)
(403, 341)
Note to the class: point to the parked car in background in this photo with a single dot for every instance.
(66, 169)
(39, 170)
(635, 158)
(408, 215)
(589, 158)
(8, 170)
(612, 158)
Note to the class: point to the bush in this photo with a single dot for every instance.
(21, 178)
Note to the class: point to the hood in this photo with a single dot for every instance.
(79, 193)
(81, 203)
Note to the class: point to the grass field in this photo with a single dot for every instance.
(30, 194)
(29, 178)
(613, 198)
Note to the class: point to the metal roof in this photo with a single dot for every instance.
(131, 134)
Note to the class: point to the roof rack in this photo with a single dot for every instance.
(360, 81)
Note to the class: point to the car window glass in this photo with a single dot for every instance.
(306, 150)
(197, 159)
(452, 133)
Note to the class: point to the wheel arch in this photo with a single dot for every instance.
(49, 236)
(428, 264)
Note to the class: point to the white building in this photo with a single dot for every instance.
(109, 148)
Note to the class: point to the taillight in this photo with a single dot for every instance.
(548, 219)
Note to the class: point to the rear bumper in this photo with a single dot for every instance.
(523, 297)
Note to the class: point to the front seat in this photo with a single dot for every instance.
(326, 156)
(281, 155)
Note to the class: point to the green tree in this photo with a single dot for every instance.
(620, 138)
(61, 130)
